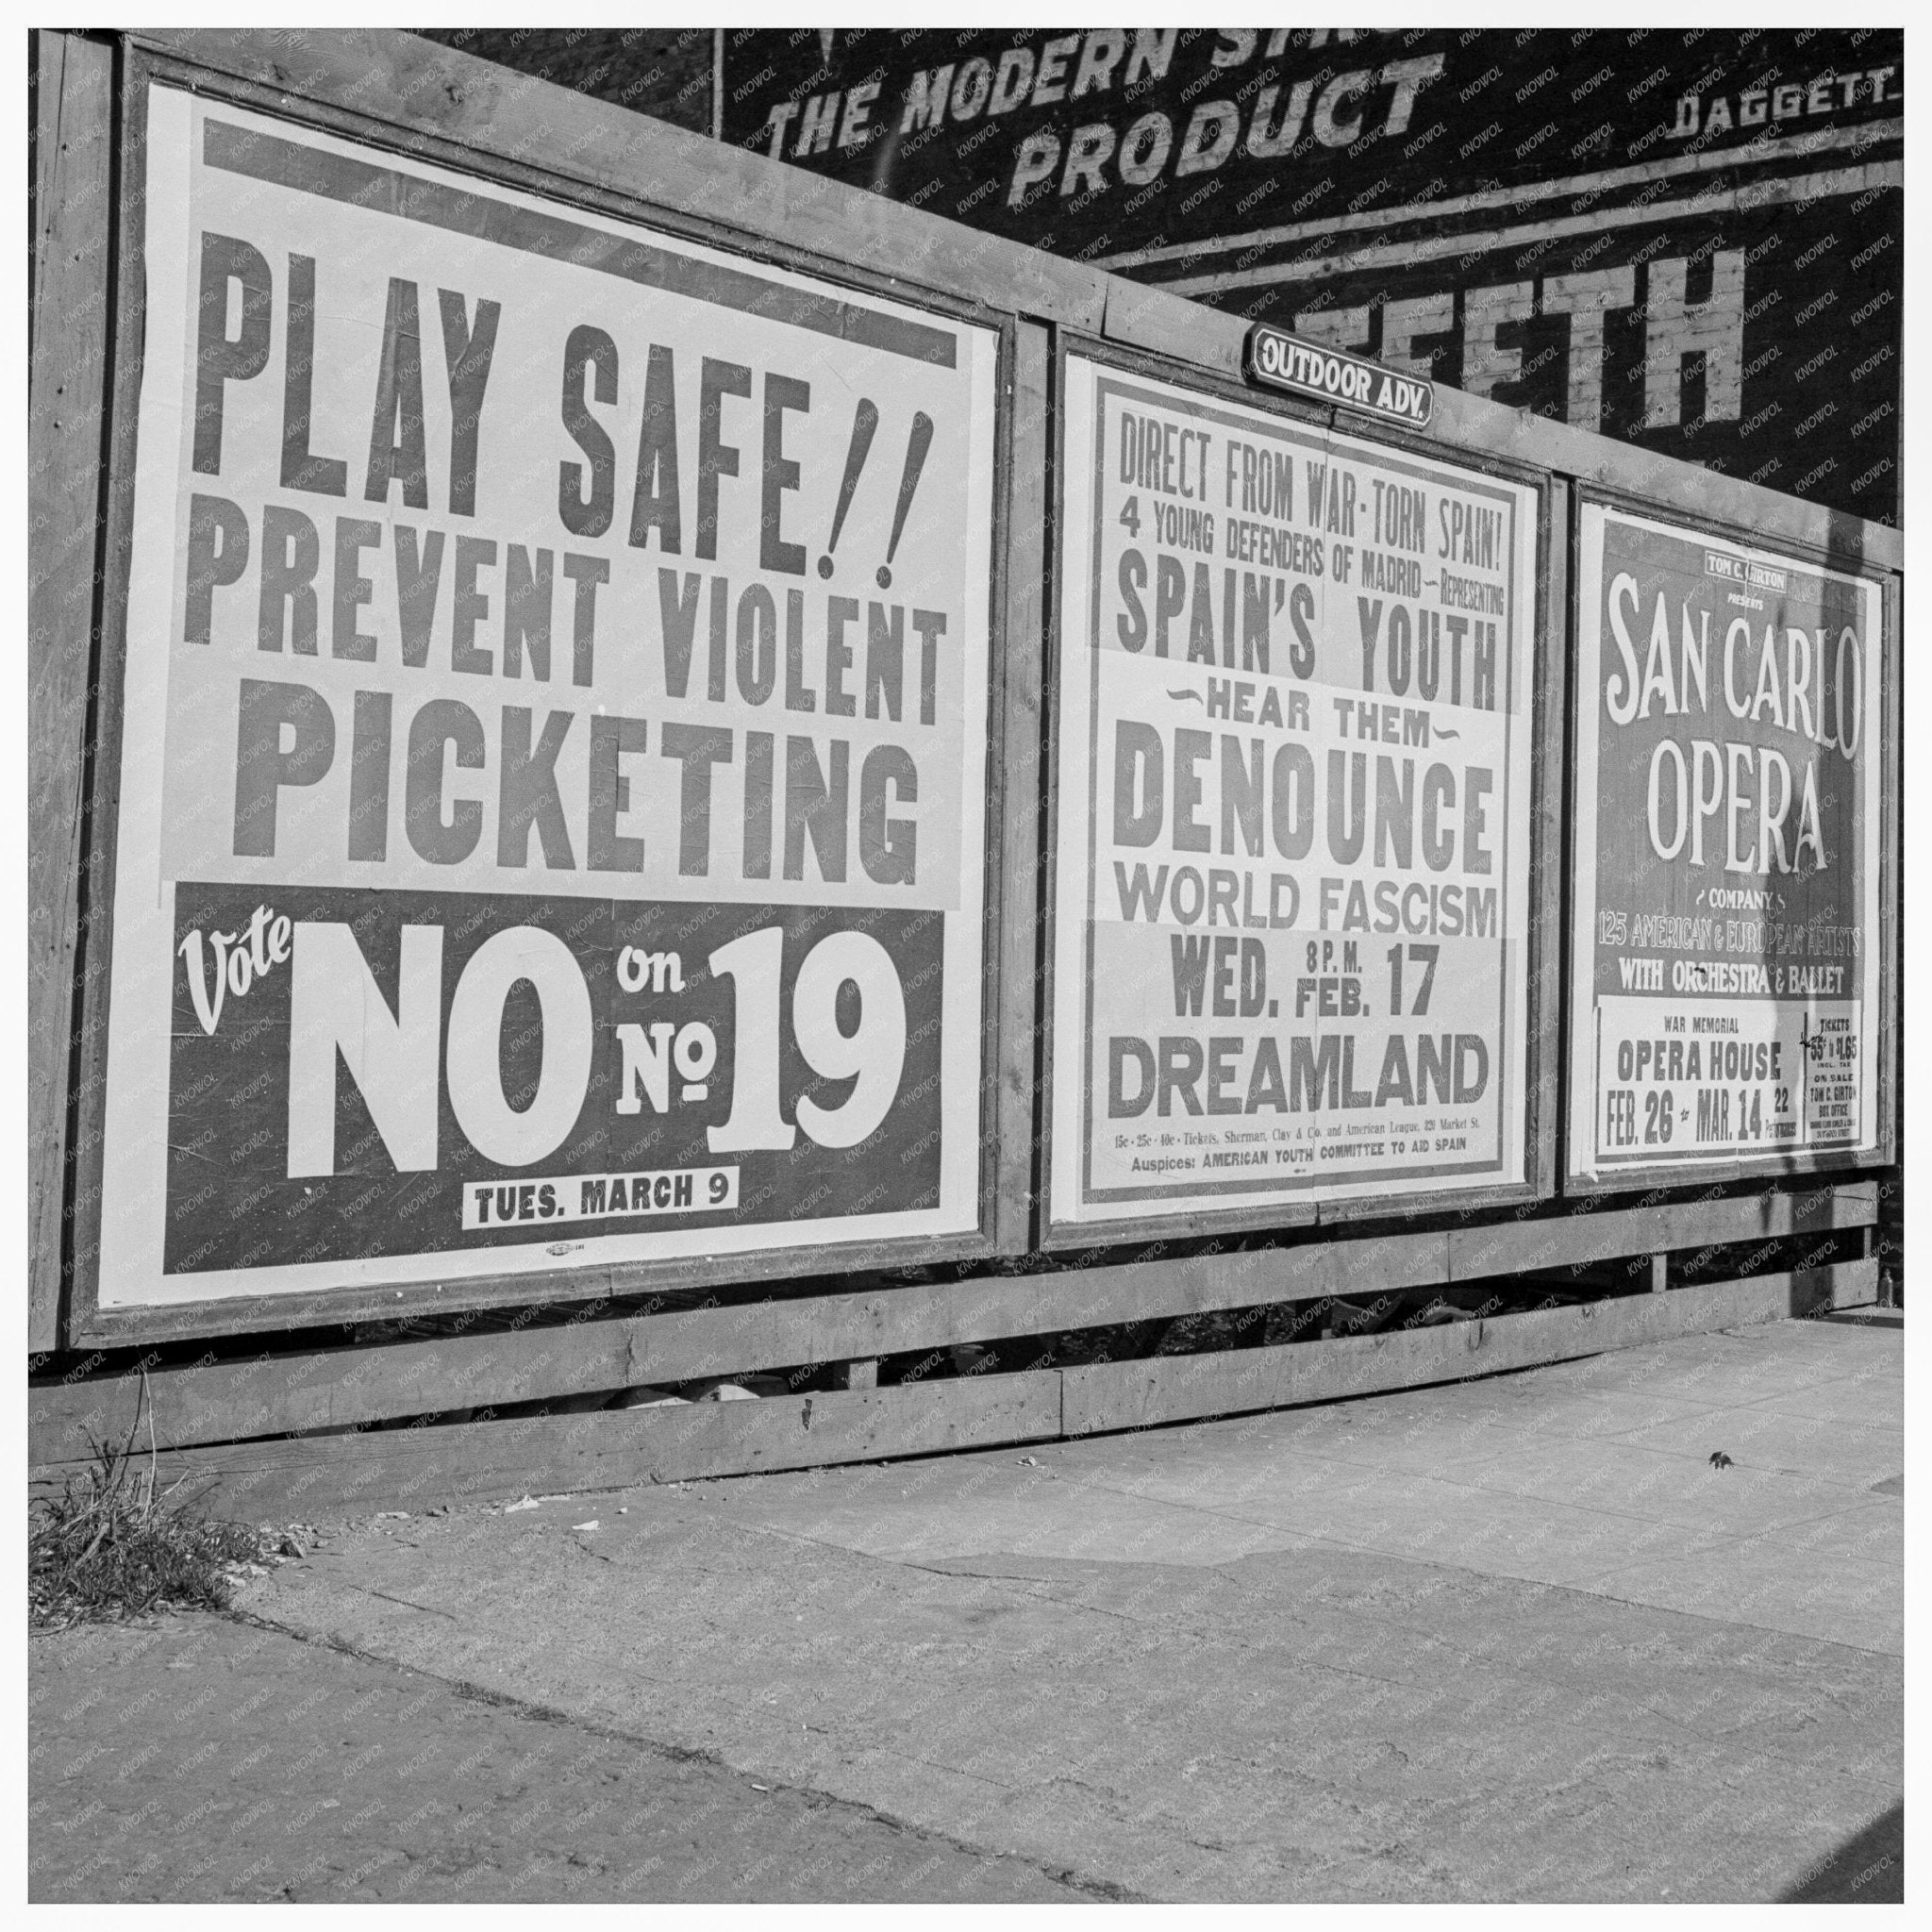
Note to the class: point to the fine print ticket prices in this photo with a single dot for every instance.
(1295, 680)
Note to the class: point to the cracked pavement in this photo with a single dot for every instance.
(1507, 1638)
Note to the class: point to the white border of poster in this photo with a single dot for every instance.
(952, 556)
(1743, 1030)
(1292, 948)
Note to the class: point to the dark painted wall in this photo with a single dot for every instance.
(1690, 241)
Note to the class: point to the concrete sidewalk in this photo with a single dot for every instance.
(1516, 1639)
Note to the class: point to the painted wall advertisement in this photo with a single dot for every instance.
(1693, 242)
(553, 799)
(1727, 943)
(1296, 678)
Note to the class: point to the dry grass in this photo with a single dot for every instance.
(109, 1547)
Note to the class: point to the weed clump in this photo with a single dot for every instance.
(108, 1547)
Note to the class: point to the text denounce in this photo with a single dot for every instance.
(1296, 681)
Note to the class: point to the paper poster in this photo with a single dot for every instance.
(1725, 944)
(552, 812)
(1296, 675)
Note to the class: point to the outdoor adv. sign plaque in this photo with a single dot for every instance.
(1276, 360)
(1727, 943)
(1296, 676)
(552, 796)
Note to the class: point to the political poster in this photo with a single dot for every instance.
(1725, 946)
(1296, 679)
(551, 807)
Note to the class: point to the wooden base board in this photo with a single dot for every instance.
(1137, 1394)
(234, 1400)
(313, 1478)
(358, 1472)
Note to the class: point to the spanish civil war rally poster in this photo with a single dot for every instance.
(1726, 941)
(1296, 678)
(551, 821)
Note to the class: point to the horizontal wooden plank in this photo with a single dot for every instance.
(332, 1388)
(231, 1401)
(1685, 489)
(579, 1286)
(358, 1471)
(1564, 1241)
(1137, 1394)
(416, 86)
(411, 1469)
(1151, 318)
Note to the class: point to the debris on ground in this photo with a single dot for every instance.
(112, 1546)
(645, 1396)
(736, 1388)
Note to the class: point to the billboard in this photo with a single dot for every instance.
(1295, 683)
(552, 801)
(1726, 815)
(1692, 240)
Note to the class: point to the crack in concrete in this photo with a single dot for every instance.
(428, 1609)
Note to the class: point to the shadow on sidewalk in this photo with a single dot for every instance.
(1868, 1869)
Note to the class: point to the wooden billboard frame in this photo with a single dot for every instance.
(1636, 1177)
(1006, 1033)
(1547, 628)
(405, 93)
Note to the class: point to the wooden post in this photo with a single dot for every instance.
(1017, 790)
(66, 394)
(1659, 1268)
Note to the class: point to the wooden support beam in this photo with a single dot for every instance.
(1468, 422)
(1133, 1395)
(1562, 1239)
(331, 1389)
(1146, 317)
(1017, 790)
(362, 1471)
(1659, 1274)
(411, 1469)
(67, 375)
